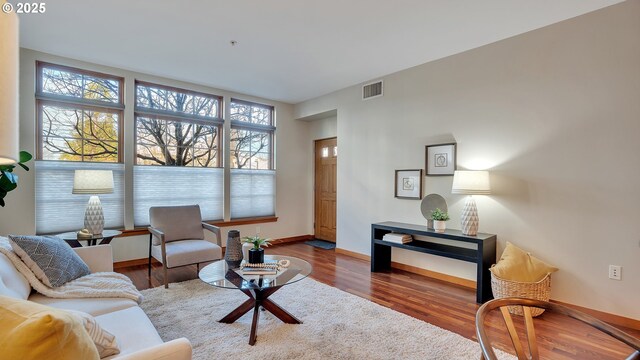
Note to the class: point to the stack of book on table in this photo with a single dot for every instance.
(397, 238)
(268, 268)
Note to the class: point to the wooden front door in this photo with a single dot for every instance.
(326, 155)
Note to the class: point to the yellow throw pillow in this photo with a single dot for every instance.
(518, 265)
(32, 331)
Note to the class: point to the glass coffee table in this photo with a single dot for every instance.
(257, 287)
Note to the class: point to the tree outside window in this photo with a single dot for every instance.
(176, 127)
(79, 114)
(251, 135)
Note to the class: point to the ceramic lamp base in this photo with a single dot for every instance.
(93, 216)
(469, 220)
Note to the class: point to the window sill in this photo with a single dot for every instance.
(219, 223)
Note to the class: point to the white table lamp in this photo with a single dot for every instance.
(93, 182)
(9, 88)
(470, 183)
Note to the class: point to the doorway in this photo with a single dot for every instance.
(326, 161)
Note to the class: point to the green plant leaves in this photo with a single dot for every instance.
(9, 177)
(439, 215)
(25, 156)
(256, 241)
(9, 180)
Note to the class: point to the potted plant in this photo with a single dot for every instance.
(8, 179)
(256, 254)
(439, 218)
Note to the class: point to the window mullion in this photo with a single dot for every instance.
(177, 116)
(77, 101)
(248, 126)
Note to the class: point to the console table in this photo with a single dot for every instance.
(484, 256)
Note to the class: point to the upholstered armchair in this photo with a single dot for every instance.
(177, 238)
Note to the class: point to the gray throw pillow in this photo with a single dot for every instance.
(50, 258)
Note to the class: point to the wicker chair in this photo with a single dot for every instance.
(527, 304)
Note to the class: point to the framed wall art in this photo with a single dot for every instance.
(440, 159)
(408, 184)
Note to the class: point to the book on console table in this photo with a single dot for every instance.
(397, 238)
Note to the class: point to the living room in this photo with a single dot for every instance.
(542, 96)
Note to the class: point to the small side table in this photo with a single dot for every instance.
(72, 238)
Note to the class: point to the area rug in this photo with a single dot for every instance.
(326, 245)
(337, 325)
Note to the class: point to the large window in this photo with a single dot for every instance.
(79, 114)
(177, 127)
(252, 160)
(176, 149)
(178, 134)
(251, 135)
(79, 127)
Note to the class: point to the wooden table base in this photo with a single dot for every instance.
(258, 298)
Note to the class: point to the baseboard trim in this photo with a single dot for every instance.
(135, 262)
(353, 254)
(292, 239)
(415, 270)
(435, 275)
(604, 316)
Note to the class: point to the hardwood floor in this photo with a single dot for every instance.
(446, 305)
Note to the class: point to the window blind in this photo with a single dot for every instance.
(177, 185)
(58, 210)
(253, 193)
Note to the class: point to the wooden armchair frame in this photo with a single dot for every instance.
(502, 304)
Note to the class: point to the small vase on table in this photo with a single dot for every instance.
(233, 254)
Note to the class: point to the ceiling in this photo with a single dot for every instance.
(288, 50)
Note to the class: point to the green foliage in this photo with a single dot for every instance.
(439, 215)
(257, 241)
(95, 138)
(9, 180)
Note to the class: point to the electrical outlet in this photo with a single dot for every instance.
(615, 272)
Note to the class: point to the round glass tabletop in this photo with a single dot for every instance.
(220, 274)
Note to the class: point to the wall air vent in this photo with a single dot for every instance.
(372, 90)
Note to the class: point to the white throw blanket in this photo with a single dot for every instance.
(96, 285)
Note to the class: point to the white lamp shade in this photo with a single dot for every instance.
(471, 182)
(93, 182)
(9, 48)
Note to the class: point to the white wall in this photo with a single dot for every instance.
(323, 128)
(292, 201)
(554, 114)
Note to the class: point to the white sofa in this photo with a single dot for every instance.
(136, 336)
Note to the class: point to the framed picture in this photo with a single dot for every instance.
(409, 184)
(440, 159)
